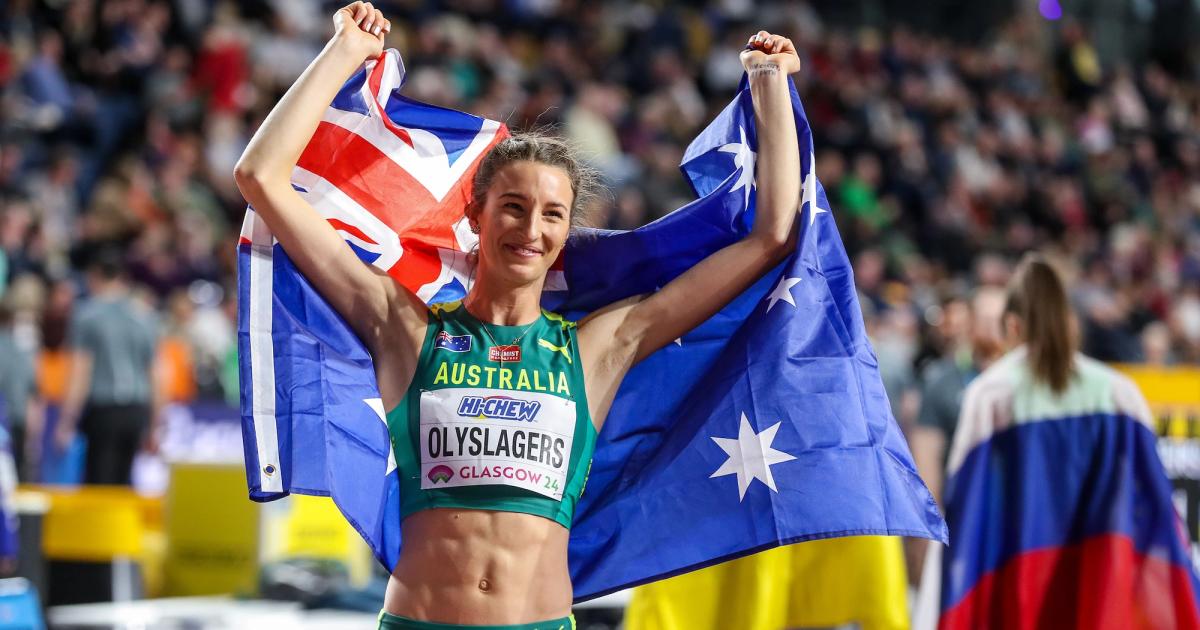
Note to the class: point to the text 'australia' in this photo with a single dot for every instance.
(519, 379)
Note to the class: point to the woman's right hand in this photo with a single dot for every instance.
(360, 28)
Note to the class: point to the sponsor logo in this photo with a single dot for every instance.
(499, 408)
(453, 343)
(440, 474)
(504, 354)
(563, 350)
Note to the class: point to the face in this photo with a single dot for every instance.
(524, 221)
(988, 329)
(956, 317)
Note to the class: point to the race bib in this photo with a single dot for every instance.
(476, 437)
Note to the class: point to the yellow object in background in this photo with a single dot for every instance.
(105, 524)
(1174, 398)
(212, 531)
(816, 584)
(93, 523)
(312, 527)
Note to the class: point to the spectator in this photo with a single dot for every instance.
(18, 391)
(112, 398)
(120, 121)
(971, 330)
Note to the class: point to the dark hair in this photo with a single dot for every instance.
(540, 147)
(1038, 296)
(107, 262)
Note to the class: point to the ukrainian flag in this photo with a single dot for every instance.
(817, 584)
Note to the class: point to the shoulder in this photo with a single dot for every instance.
(999, 379)
(986, 407)
(1127, 399)
(444, 310)
(85, 310)
(559, 320)
(143, 312)
(88, 315)
(9, 348)
(938, 372)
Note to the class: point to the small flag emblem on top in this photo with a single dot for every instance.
(453, 343)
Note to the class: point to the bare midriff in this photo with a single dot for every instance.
(480, 567)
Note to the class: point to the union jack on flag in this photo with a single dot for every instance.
(393, 176)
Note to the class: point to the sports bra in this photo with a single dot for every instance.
(494, 425)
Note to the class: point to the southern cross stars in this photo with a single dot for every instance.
(750, 456)
(809, 196)
(376, 405)
(782, 292)
(743, 158)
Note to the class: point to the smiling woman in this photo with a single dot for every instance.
(528, 192)
(493, 403)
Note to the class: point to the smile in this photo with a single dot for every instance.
(523, 252)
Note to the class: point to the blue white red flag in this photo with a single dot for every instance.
(1059, 510)
(766, 425)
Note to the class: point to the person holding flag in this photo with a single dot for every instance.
(493, 404)
(1060, 512)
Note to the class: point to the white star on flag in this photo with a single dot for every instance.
(810, 191)
(783, 292)
(743, 158)
(376, 405)
(750, 456)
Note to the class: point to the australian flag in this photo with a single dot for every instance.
(453, 343)
(766, 425)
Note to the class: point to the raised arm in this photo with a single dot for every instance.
(384, 315)
(618, 336)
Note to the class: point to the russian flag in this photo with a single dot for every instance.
(1059, 509)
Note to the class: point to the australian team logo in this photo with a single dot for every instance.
(498, 407)
(453, 343)
(440, 474)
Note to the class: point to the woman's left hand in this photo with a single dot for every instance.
(772, 50)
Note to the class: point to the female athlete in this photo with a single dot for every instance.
(494, 403)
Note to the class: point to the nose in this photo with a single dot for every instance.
(531, 225)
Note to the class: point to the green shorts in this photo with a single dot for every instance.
(389, 621)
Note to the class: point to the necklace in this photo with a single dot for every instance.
(510, 353)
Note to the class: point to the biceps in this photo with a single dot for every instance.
(699, 293)
(353, 289)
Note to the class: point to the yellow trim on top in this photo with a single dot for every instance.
(553, 348)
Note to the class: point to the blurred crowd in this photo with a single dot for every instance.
(121, 121)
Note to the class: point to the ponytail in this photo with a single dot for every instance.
(1038, 297)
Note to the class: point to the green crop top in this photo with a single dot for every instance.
(494, 428)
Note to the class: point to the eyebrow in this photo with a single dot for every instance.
(526, 199)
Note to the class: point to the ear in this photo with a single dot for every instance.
(472, 213)
(1014, 334)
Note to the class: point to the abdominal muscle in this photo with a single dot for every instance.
(480, 567)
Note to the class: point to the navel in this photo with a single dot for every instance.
(485, 585)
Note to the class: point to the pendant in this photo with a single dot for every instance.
(504, 354)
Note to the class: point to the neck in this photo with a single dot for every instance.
(493, 302)
(107, 288)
